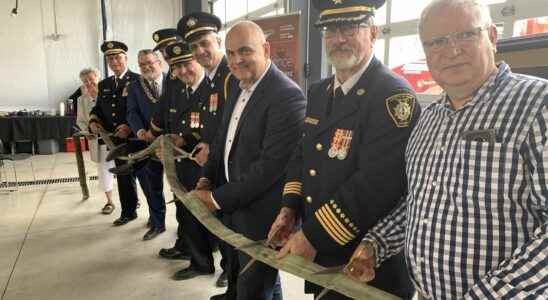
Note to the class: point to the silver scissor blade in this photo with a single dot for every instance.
(247, 266)
(322, 294)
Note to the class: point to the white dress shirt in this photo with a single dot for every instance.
(211, 74)
(351, 82)
(121, 75)
(239, 107)
(196, 84)
(159, 82)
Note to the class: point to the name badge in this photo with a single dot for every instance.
(310, 120)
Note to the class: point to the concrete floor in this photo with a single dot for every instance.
(53, 245)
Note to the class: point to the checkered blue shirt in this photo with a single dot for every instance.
(475, 222)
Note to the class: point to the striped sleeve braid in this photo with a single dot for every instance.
(336, 223)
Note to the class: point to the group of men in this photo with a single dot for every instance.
(354, 173)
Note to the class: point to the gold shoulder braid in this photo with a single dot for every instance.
(147, 90)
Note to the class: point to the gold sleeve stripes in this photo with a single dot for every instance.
(336, 224)
(293, 187)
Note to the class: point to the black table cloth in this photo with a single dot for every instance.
(36, 128)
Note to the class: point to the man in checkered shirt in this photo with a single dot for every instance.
(475, 221)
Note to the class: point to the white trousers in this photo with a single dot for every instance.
(98, 154)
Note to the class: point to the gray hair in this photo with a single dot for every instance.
(147, 52)
(475, 6)
(88, 71)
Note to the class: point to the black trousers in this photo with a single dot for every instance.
(127, 192)
(259, 282)
(152, 182)
(198, 242)
(180, 242)
(196, 237)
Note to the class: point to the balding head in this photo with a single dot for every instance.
(248, 28)
(248, 52)
(480, 12)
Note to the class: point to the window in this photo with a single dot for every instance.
(235, 10)
(405, 49)
(403, 10)
(379, 49)
(380, 16)
(229, 11)
(258, 4)
(219, 10)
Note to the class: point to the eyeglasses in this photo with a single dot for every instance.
(148, 64)
(463, 38)
(348, 30)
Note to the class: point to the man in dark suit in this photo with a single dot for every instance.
(143, 97)
(110, 114)
(261, 126)
(348, 171)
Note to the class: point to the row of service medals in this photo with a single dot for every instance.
(195, 120)
(213, 106)
(340, 144)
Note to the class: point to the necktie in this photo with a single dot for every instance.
(155, 89)
(337, 94)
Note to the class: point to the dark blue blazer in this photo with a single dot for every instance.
(266, 135)
(140, 107)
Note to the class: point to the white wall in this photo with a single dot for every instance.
(134, 21)
(38, 72)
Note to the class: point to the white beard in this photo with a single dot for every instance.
(344, 63)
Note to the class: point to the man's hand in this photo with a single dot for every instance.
(205, 197)
(95, 127)
(202, 151)
(362, 263)
(122, 131)
(298, 244)
(203, 184)
(282, 228)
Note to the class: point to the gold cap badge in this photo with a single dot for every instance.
(156, 37)
(110, 45)
(177, 50)
(191, 22)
